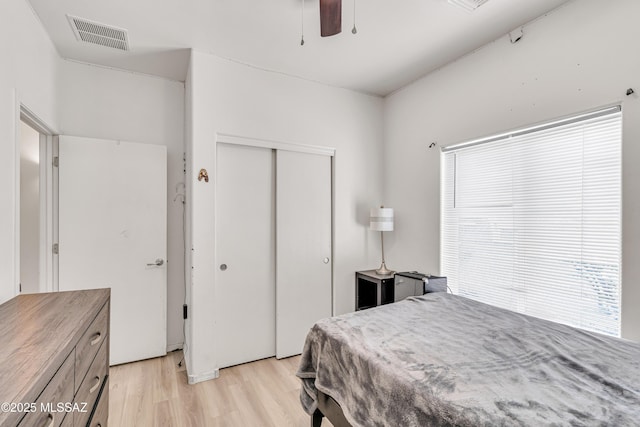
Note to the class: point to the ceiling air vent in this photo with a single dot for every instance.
(96, 33)
(468, 5)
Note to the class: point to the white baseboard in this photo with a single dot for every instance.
(194, 379)
(173, 347)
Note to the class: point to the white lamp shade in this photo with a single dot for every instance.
(381, 219)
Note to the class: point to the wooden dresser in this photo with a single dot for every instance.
(54, 359)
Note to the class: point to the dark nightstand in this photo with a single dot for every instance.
(373, 289)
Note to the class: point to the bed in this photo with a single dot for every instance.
(441, 359)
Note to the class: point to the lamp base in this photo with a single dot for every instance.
(384, 271)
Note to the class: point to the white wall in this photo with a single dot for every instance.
(189, 345)
(98, 102)
(78, 99)
(27, 76)
(578, 58)
(235, 99)
(29, 209)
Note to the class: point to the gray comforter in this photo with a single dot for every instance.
(441, 359)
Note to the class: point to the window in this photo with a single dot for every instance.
(531, 220)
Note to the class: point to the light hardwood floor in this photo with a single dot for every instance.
(155, 393)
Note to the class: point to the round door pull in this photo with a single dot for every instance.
(326, 260)
(223, 267)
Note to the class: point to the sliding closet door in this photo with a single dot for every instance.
(303, 246)
(245, 254)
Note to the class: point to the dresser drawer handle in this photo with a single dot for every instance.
(51, 419)
(96, 338)
(96, 385)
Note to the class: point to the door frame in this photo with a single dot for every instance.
(47, 204)
(226, 138)
(274, 145)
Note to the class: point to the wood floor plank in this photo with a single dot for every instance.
(155, 393)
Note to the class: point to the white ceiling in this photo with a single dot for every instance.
(397, 41)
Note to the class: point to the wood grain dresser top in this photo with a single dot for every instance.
(37, 333)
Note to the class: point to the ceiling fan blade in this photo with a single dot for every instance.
(330, 17)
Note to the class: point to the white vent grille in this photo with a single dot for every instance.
(468, 5)
(101, 34)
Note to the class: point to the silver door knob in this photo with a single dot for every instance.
(158, 262)
(326, 260)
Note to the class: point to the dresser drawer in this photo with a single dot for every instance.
(89, 344)
(101, 414)
(59, 390)
(90, 388)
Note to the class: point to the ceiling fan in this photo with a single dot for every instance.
(330, 17)
(331, 14)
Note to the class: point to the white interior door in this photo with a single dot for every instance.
(112, 229)
(245, 254)
(303, 292)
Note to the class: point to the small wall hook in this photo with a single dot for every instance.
(516, 35)
(433, 144)
(203, 175)
(630, 91)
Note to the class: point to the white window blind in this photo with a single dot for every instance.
(531, 221)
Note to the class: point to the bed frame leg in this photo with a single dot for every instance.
(316, 419)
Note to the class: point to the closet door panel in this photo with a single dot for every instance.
(303, 247)
(245, 254)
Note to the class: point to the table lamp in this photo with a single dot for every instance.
(381, 219)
